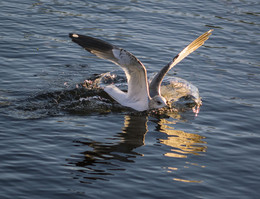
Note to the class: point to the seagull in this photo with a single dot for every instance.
(141, 95)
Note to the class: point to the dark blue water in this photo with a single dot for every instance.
(53, 146)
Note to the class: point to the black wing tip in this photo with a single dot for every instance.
(90, 43)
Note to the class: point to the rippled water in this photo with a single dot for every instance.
(54, 146)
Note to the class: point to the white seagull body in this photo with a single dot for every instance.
(140, 95)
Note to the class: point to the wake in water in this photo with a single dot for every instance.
(90, 98)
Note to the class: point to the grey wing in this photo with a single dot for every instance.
(133, 68)
(157, 80)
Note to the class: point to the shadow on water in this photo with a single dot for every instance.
(103, 159)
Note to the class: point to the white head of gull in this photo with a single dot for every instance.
(140, 95)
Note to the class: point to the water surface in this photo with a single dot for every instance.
(50, 148)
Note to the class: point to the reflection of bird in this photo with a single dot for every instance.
(140, 96)
(182, 143)
(102, 157)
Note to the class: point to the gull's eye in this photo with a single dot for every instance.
(159, 102)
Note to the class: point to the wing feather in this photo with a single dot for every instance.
(135, 71)
(157, 80)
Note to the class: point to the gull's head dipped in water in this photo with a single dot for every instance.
(157, 102)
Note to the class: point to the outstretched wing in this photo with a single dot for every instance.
(157, 80)
(133, 68)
